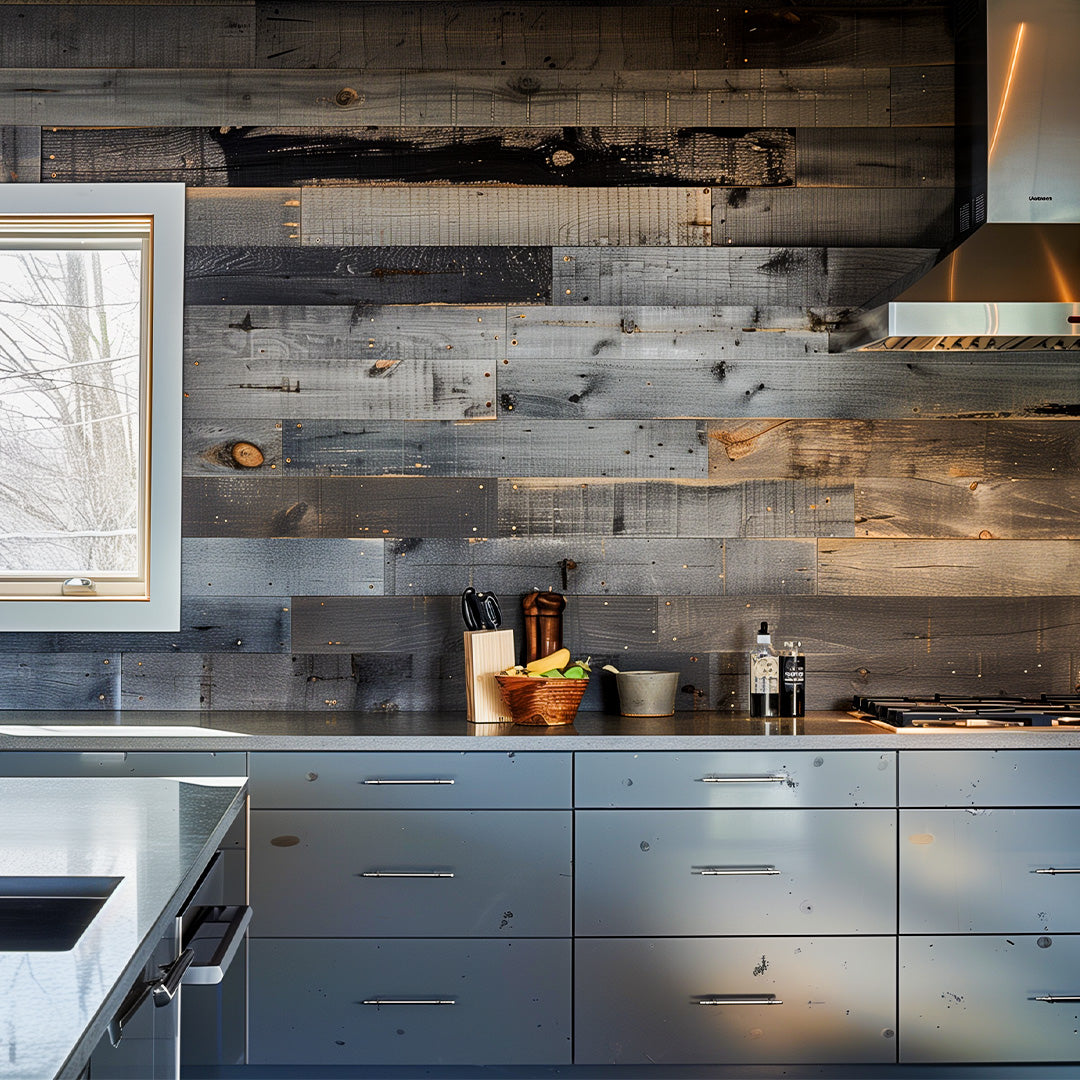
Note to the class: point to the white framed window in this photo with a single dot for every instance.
(91, 317)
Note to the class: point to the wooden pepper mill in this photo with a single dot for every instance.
(543, 624)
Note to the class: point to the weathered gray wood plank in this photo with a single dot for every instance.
(252, 217)
(176, 97)
(618, 336)
(62, 35)
(31, 680)
(1006, 509)
(864, 277)
(372, 275)
(339, 507)
(218, 447)
(839, 387)
(922, 95)
(948, 567)
(379, 362)
(630, 448)
(279, 156)
(875, 157)
(674, 508)
(20, 155)
(935, 450)
(256, 566)
(859, 217)
(468, 214)
(405, 626)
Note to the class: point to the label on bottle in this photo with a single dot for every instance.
(793, 669)
(764, 674)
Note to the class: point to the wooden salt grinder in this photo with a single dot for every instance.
(543, 623)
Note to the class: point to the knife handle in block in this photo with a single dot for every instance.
(487, 653)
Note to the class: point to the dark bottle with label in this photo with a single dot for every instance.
(792, 680)
(764, 676)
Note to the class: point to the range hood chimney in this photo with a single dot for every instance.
(1014, 283)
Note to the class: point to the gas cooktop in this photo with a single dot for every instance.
(957, 711)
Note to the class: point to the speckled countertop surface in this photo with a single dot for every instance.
(157, 834)
(145, 730)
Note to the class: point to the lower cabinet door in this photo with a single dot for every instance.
(990, 998)
(409, 1001)
(670, 1001)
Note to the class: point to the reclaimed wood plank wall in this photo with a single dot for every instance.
(537, 296)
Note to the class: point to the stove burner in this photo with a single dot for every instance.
(954, 710)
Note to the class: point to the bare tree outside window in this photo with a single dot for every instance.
(70, 326)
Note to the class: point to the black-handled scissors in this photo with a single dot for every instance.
(480, 610)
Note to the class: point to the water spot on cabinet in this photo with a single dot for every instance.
(761, 967)
(755, 1033)
(644, 845)
(818, 762)
(888, 1033)
(921, 838)
(284, 841)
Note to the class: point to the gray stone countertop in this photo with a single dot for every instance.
(157, 835)
(177, 730)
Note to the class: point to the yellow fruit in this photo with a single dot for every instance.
(558, 659)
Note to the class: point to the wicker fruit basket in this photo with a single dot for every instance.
(541, 701)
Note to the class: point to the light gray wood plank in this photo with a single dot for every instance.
(46, 36)
(865, 277)
(253, 217)
(756, 567)
(875, 157)
(339, 506)
(1005, 508)
(839, 387)
(216, 447)
(922, 95)
(669, 508)
(628, 448)
(862, 217)
(376, 362)
(164, 680)
(626, 336)
(948, 567)
(625, 566)
(177, 97)
(31, 680)
(256, 566)
(20, 155)
(468, 214)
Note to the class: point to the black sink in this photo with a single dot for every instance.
(49, 914)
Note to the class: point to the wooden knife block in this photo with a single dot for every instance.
(487, 653)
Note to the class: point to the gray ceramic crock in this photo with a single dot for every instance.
(647, 693)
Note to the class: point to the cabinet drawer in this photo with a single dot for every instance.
(989, 871)
(409, 1002)
(707, 1001)
(736, 779)
(735, 871)
(989, 778)
(978, 998)
(469, 873)
(123, 763)
(420, 781)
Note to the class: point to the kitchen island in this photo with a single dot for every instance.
(151, 838)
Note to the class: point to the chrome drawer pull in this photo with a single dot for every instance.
(408, 1001)
(1058, 999)
(734, 871)
(1057, 870)
(408, 873)
(433, 780)
(775, 778)
(740, 999)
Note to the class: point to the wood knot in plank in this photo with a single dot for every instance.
(346, 96)
(246, 455)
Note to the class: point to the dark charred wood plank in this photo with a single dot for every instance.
(339, 506)
(865, 277)
(221, 447)
(671, 508)
(859, 217)
(948, 567)
(20, 155)
(282, 157)
(61, 35)
(404, 626)
(309, 567)
(629, 448)
(371, 275)
(922, 95)
(36, 680)
(415, 214)
(875, 157)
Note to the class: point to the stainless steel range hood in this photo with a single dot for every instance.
(1015, 282)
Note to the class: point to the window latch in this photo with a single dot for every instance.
(78, 586)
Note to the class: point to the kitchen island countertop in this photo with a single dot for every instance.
(157, 835)
(149, 730)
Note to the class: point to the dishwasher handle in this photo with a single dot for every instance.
(162, 989)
